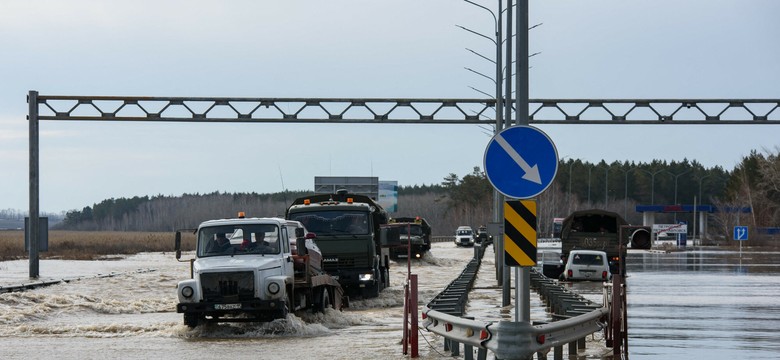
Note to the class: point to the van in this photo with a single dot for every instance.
(464, 236)
(587, 265)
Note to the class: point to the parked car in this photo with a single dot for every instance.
(464, 236)
(587, 265)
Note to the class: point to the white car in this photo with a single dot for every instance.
(464, 236)
(587, 265)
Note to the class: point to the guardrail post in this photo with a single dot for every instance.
(581, 343)
(468, 352)
(573, 349)
(558, 353)
(481, 354)
(454, 348)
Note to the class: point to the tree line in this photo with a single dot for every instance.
(468, 200)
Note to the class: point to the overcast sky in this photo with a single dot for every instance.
(672, 49)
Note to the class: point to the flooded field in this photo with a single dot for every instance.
(692, 304)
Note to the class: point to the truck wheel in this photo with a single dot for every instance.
(324, 299)
(191, 320)
(371, 291)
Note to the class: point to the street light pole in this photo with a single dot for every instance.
(675, 189)
(606, 186)
(498, 198)
(508, 90)
(675, 183)
(625, 190)
(590, 169)
(701, 200)
(652, 186)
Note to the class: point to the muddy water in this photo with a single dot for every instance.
(132, 315)
(693, 304)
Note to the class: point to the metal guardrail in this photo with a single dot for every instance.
(516, 340)
(452, 300)
(435, 239)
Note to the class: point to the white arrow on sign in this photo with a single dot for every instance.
(531, 172)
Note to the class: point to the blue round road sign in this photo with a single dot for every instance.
(521, 162)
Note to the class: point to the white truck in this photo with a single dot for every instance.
(253, 269)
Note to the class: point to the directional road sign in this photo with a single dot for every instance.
(521, 162)
(740, 233)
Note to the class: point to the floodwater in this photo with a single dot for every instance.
(704, 304)
(131, 315)
(691, 304)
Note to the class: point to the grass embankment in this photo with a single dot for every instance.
(92, 245)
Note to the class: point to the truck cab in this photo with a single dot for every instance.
(353, 237)
(415, 237)
(245, 266)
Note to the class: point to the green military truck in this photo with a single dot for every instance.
(353, 237)
(415, 237)
(596, 229)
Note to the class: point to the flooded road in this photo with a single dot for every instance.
(131, 315)
(693, 304)
(704, 304)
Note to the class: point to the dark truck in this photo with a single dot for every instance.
(600, 230)
(415, 237)
(353, 237)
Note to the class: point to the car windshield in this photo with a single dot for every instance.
(239, 239)
(587, 259)
(464, 232)
(334, 222)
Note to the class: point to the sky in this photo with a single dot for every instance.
(616, 49)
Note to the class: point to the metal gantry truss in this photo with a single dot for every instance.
(371, 110)
(404, 111)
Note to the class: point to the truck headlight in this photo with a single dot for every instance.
(273, 288)
(187, 291)
(365, 277)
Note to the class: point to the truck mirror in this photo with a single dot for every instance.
(300, 246)
(177, 245)
(299, 232)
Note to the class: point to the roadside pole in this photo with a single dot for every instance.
(34, 228)
(523, 276)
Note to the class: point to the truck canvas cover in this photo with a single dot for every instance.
(592, 221)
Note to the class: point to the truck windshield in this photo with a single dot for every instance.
(414, 230)
(238, 239)
(333, 222)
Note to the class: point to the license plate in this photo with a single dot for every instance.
(227, 306)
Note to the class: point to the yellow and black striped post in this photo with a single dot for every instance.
(520, 233)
